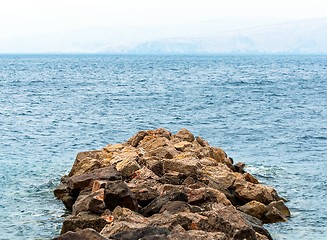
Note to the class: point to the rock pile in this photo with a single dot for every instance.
(163, 186)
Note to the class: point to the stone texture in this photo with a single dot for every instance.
(81, 221)
(254, 208)
(85, 234)
(118, 193)
(163, 186)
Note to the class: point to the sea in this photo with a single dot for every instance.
(269, 111)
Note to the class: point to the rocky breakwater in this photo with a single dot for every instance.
(160, 185)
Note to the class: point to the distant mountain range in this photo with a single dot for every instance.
(212, 37)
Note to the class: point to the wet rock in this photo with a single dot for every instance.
(85, 234)
(83, 220)
(118, 193)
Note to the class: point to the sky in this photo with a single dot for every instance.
(29, 17)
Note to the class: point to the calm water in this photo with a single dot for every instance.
(268, 111)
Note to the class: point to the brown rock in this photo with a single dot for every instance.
(127, 215)
(273, 215)
(227, 219)
(162, 152)
(254, 208)
(81, 221)
(92, 202)
(85, 234)
(189, 166)
(185, 135)
(247, 191)
(205, 195)
(280, 205)
(127, 167)
(180, 146)
(155, 206)
(85, 161)
(86, 180)
(248, 177)
(116, 227)
(118, 193)
(134, 141)
(202, 142)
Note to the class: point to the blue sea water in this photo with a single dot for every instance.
(267, 111)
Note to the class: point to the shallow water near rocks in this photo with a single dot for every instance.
(267, 111)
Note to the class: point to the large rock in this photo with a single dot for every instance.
(159, 202)
(254, 208)
(85, 162)
(86, 180)
(92, 202)
(85, 234)
(83, 220)
(184, 135)
(118, 193)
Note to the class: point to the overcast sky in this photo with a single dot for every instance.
(27, 17)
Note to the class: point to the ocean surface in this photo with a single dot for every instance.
(267, 111)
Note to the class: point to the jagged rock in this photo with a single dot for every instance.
(85, 162)
(145, 233)
(180, 146)
(248, 177)
(280, 205)
(85, 234)
(116, 227)
(256, 225)
(254, 208)
(247, 191)
(227, 219)
(239, 167)
(86, 180)
(159, 202)
(81, 221)
(144, 190)
(202, 142)
(92, 202)
(134, 141)
(127, 167)
(166, 187)
(189, 166)
(185, 135)
(175, 207)
(118, 193)
(273, 215)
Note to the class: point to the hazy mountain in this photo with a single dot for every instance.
(219, 36)
(294, 37)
